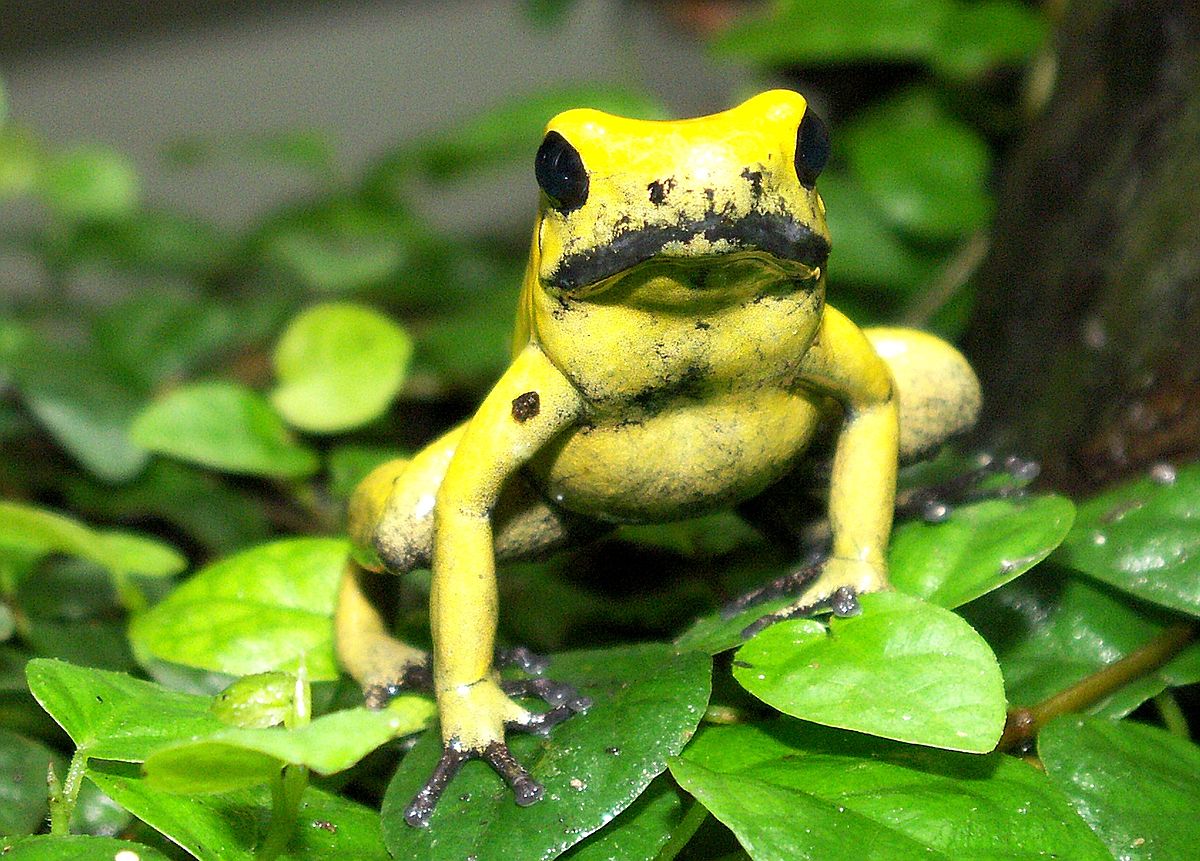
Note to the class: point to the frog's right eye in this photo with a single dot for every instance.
(560, 173)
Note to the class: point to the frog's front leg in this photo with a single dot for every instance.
(532, 403)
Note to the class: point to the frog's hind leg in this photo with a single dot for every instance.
(391, 527)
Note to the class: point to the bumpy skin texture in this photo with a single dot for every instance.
(673, 354)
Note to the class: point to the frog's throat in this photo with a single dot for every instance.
(780, 236)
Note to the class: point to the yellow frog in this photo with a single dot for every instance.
(673, 355)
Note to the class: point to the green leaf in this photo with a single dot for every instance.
(647, 702)
(230, 827)
(1134, 785)
(339, 366)
(257, 701)
(90, 182)
(267, 608)
(23, 790)
(639, 833)
(1142, 538)
(541, 13)
(977, 549)
(43, 532)
(234, 758)
(901, 669)
(20, 161)
(224, 426)
(1052, 629)
(926, 171)
(977, 37)
(113, 715)
(795, 791)
(350, 464)
(77, 847)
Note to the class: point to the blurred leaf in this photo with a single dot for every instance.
(1141, 537)
(541, 13)
(647, 701)
(350, 464)
(89, 183)
(866, 250)
(697, 538)
(85, 405)
(790, 790)
(925, 170)
(97, 814)
(339, 366)
(1134, 785)
(980, 547)
(77, 847)
(1052, 628)
(811, 32)
(20, 161)
(902, 669)
(976, 37)
(113, 715)
(151, 241)
(3, 103)
(23, 763)
(268, 608)
(639, 832)
(469, 349)
(225, 426)
(44, 531)
(230, 827)
(86, 642)
(235, 758)
(310, 150)
(257, 701)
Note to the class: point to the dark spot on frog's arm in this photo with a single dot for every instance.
(526, 406)
(754, 177)
(710, 194)
(659, 189)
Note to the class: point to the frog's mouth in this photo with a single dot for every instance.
(782, 237)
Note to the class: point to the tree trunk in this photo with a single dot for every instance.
(1086, 334)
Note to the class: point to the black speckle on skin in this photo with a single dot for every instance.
(701, 325)
(755, 178)
(526, 406)
(659, 189)
(710, 194)
(690, 384)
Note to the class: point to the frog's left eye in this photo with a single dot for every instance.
(560, 172)
(812, 149)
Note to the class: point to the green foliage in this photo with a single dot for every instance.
(175, 457)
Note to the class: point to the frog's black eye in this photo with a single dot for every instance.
(560, 173)
(812, 149)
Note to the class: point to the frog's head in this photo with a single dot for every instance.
(619, 193)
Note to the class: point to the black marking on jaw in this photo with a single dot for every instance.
(659, 189)
(755, 178)
(777, 235)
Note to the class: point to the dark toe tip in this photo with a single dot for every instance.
(844, 602)
(580, 704)
(417, 815)
(527, 791)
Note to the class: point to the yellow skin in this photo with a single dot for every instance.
(674, 329)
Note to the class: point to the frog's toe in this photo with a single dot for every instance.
(526, 790)
(792, 583)
(412, 677)
(563, 699)
(934, 503)
(842, 602)
(523, 659)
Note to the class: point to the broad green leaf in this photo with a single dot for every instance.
(224, 426)
(795, 791)
(977, 37)
(153, 243)
(639, 832)
(85, 405)
(77, 847)
(977, 549)
(1142, 537)
(115, 716)
(234, 758)
(90, 182)
(926, 170)
(901, 669)
(229, 827)
(1054, 628)
(267, 608)
(339, 366)
(811, 32)
(23, 764)
(43, 531)
(647, 701)
(87, 642)
(258, 701)
(21, 159)
(1135, 785)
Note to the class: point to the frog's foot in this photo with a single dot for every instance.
(934, 503)
(523, 659)
(832, 586)
(474, 718)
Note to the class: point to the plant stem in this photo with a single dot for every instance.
(64, 795)
(286, 792)
(1172, 715)
(1023, 723)
(684, 832)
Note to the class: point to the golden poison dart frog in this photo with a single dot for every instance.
(674, 354)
